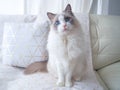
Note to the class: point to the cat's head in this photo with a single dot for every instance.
(63, 22)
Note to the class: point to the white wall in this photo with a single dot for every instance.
(111, 7)
(11, 7)
(114, 7)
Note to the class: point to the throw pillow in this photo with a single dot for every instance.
(24, 44)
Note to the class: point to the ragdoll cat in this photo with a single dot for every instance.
(65, 47)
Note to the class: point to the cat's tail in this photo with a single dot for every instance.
(36, 67)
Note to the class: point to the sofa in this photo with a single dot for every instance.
(105, 44)
(105, 47)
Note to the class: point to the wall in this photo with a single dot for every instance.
(111, 7)
(114, 7)
(93, 9)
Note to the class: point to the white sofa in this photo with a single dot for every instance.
(105, 44)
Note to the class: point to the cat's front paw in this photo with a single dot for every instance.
(60, 84)
(68, 84)
(78, 79)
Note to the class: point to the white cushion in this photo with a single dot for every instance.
(24, 44)
(15, 19)
(111, 76)
(102, 83)
(105, 36)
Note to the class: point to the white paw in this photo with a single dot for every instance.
(78, 79)
(60, 84)
(68, 84)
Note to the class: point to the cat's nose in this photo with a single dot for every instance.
(65, 26)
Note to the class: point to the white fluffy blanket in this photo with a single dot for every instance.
(13, 79)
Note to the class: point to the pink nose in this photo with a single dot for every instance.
(65, 26)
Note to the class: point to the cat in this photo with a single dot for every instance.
(65, 47)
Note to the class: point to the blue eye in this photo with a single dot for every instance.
(57, 23)
(67, 19)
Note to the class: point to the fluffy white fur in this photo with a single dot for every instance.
(66, 52)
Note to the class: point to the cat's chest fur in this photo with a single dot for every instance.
(68, 46)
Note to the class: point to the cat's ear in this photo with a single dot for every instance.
(51, 16)
(68, 9)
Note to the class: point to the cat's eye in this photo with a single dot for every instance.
(67, 19)
(57, 22)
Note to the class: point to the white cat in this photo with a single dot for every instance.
(66, 47)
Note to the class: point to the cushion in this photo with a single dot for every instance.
(111, 76)
(105, 35)
(13, 18)
(102, 83)
(24, 44)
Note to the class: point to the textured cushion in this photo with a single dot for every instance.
(101, 81)
(111, 76)
(24, 44)
(105, 35)
(15, 19)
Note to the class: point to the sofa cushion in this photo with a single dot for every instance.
(111, 76)
(15, 19)
(105, 35)
(101, 81)
(24, 44)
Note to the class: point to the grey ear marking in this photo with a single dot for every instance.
(68, 8)
(51, 15)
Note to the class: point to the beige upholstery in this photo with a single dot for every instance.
(111, 76)
(101, 81)
(105, 40)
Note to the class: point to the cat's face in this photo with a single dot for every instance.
(62, 23)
